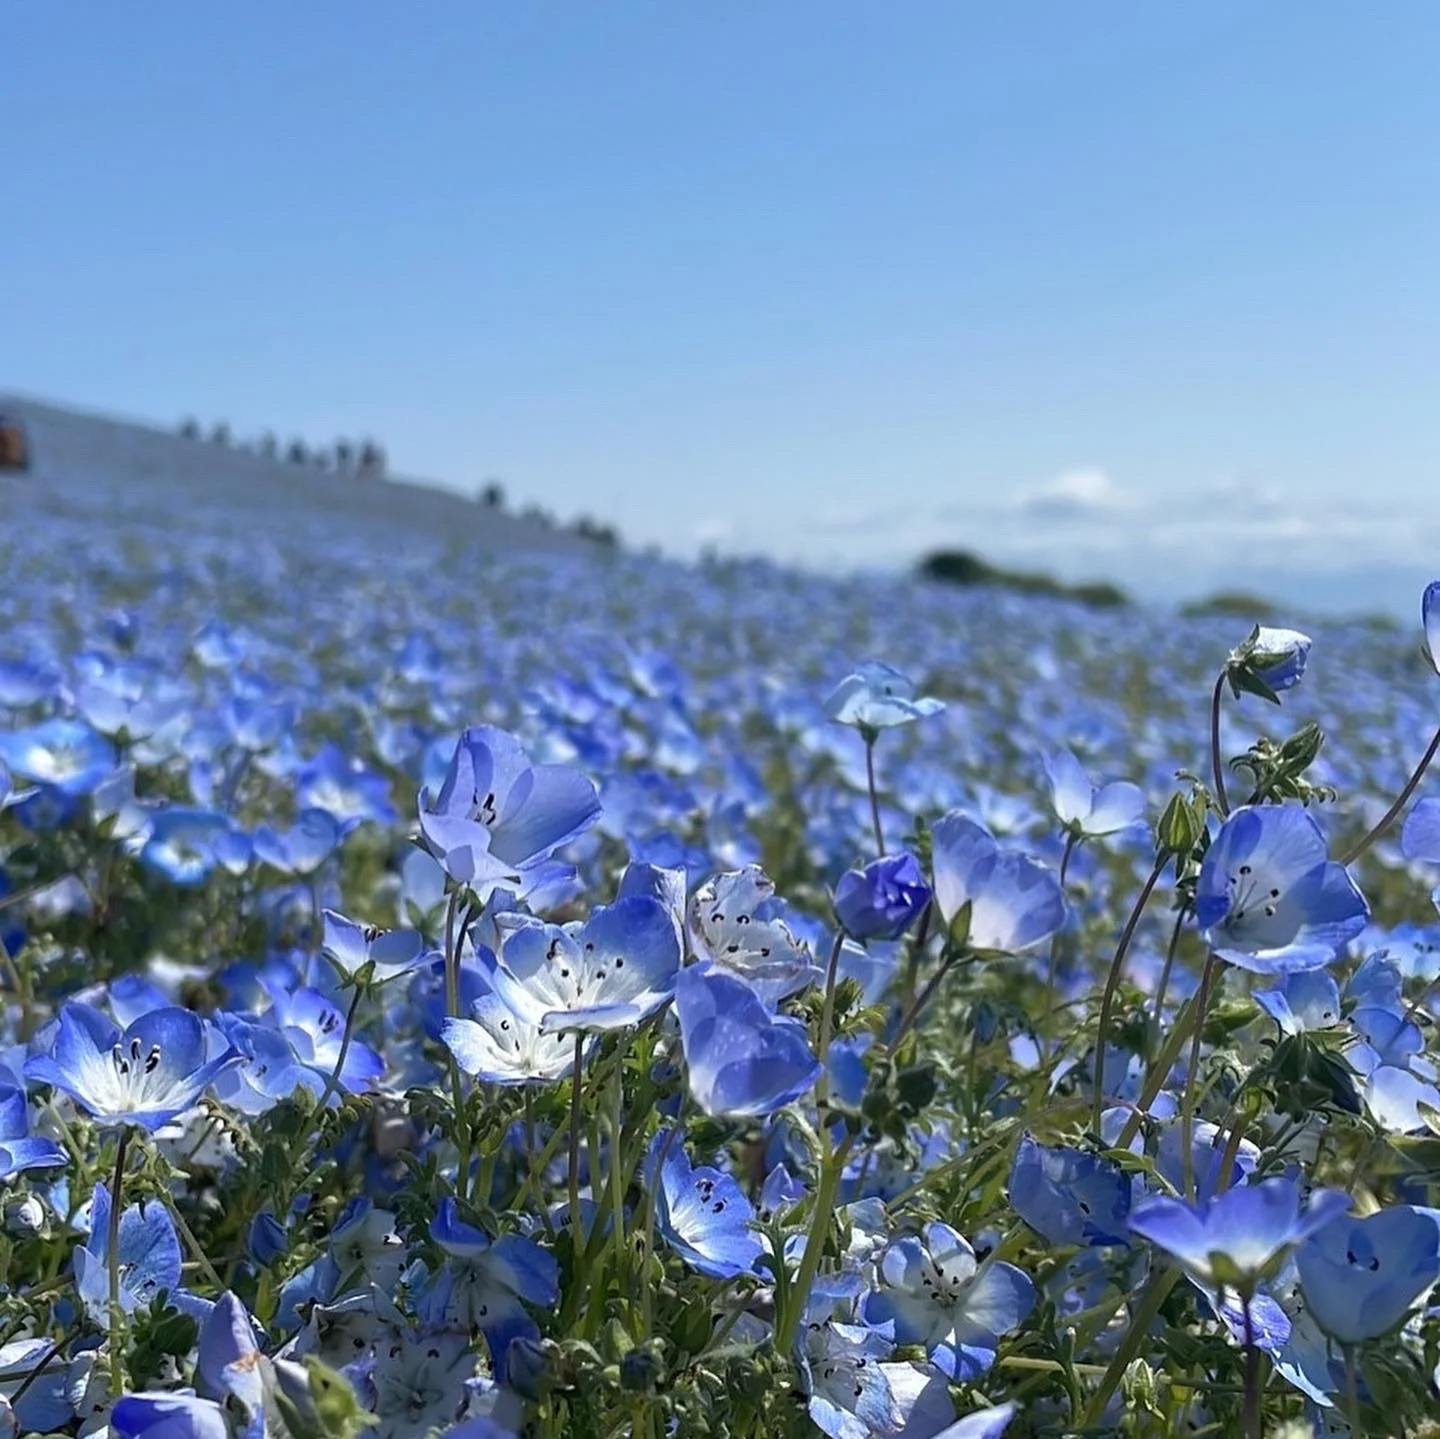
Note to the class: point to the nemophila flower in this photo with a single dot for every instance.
(314, 1027)
(988, 1423)
(702, 1213)
(1307, 1000)
(344, 788)
(227, 1357)
(1274, 657)
(741, 1059)
(154, 1069)
(267, 1239)
(497, 816)
(849, 1395)
(936, 1293)
(365, 1247)
(1014, 901)
(613, 971)
(1084, 810)
(499, 1046)
(1362, 1276)
(1430, 619)
(487, 1284)
(381, 954)
(1392, 1097)
(731, 924)
(1420, 834)
(1240, 1236)
(176, 1415)
(187, 845)
(1070, 1196)
(18, 1150)
(60, 754)
(149, 1254)
(419, 1382)
(1269, 898)
(878, 697)
(44, 1407)
(1208, 1146)
(882, 900)
(267, 1071)
(301, 849)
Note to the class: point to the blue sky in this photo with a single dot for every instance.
(1136, 290)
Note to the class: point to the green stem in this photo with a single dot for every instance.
(117, 1314)
(1390, 814)
(346, 1035)
(827, 1018)
(875, 798)
(1163, 988)
(1252, 1380)
(1192, 1076)
(1155, 1294)
(575, 1230)
(830, 1168)
(618, 1183)
(1216, 764)
(1352, 1391)
(1112, 983)
(1052, 968)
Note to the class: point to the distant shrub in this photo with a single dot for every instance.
(1229, 604)
(190, 429)
(961, 567)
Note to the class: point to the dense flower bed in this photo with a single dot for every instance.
(538, 996)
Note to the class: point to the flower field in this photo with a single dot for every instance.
(535, 995)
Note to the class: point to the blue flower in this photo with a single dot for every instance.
(982, 1424)
(1420, 834)
(742, 1059)
(1240, 1236)
(168, 1416)
(1269, 898)
(45, 1405)
(61, 754)
(186, 845)
(1430, 618)
(301, 849)
(733, 924)
(702, 1213)
(314, 1027)
(883, 899)
(499, 1046)
(1276, 657)
(497, 817)
(613, 971)
(935, 1293)
(1309, 999)
(1069, 1196)
(1084, 810)
(149, 1254)
(486, 1284)
(845, 1379)
(383, 954)
(146, 1075)
(878, 697)
(1014, 901)
(1360, 1277)
(18, 1151)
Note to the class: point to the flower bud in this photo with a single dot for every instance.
(883, 899)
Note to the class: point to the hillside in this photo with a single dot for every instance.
(95, 464)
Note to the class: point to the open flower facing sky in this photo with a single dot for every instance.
(1241, 1235)
(1015, 901)
(497, 817)
(1269, 897)
(145, 1074)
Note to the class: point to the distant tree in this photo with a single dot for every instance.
(269, 445)
(220, 435)
(343, 455)
(493, 495)
(369, 463)
(297, 454)
(190, 429)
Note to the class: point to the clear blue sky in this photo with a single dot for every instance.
(1141, 289)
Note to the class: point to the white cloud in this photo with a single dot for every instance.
(1075, 494)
